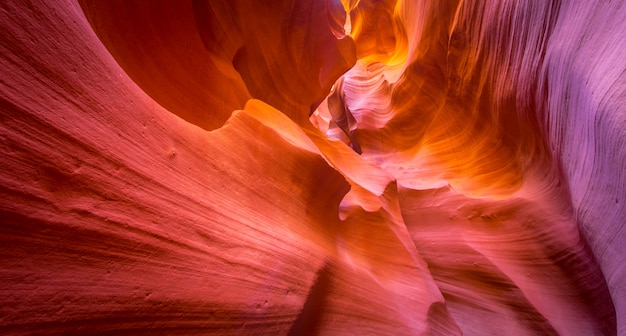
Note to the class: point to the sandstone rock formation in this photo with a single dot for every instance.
(390, 167)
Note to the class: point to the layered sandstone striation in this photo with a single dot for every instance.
(313, 167)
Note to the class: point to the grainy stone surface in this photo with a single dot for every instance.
(462, 170)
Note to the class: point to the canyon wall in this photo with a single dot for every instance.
(313, 167)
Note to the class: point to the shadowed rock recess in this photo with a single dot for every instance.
(313, 167)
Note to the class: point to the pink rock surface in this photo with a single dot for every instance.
(462, 171)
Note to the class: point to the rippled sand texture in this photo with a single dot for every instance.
(382, 167)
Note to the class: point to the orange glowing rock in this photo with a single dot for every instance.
(313, 167)
(197, 54)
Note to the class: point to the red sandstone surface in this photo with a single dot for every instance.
(302, 167)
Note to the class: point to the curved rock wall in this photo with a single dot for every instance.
(313, 167)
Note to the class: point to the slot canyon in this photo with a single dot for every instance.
(313, 167)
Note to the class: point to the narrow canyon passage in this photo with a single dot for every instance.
(303, 167)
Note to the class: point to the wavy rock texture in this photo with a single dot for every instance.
(313, 167)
